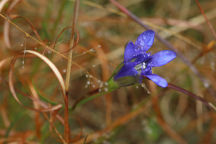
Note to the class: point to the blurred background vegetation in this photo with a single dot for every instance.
(142, 113)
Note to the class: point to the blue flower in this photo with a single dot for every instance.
(138, 63)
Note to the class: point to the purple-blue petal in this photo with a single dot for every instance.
(126, 70)
(145, 40)
(162, 58)
(129, 51)
(158, 80)
(146, 71)
(142, 57)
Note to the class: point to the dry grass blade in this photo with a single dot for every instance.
(11, 85)
(2, 3)
(54, 69)
(13, 92)
(34, 98)
(4, 115)
(37, 103)
(4, 61)
(6, 34)
(36, 106)
(52, 66)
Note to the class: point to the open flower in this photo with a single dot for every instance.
(138, 63)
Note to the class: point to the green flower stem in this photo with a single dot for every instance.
(112, 86)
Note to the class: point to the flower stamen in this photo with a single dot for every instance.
(140, 67)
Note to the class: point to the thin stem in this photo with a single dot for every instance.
(67, 81)
(71, 43)
(84, 100)
(206, 19)
(112, 86)
(184, 91)
(168, 44)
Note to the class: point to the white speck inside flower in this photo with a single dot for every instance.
(143, 65)
(140, 67)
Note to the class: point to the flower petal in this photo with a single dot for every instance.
(140, 58)
(145, 40)
(146, 71)
(126, 70)
(158, 80)
(162, 58)
(129, 51)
